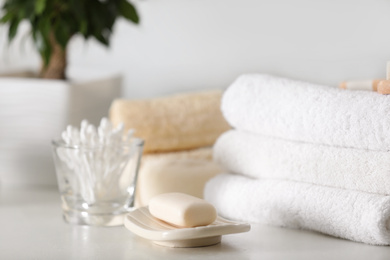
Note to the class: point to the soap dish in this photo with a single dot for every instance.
(143, 224)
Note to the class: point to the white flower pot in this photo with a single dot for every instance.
(35, 111)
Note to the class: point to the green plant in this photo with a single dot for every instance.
(55, 22)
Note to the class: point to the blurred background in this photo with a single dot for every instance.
(185, 45)
(181, 46)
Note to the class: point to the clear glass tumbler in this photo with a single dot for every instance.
(97, 184)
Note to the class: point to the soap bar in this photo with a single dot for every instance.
(182, 210)
(186, 172)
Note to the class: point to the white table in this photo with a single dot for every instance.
(31, 227)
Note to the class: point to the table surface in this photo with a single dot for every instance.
(32, 228)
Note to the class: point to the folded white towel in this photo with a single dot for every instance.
(307, 112)
(258, 156)
(358, 216)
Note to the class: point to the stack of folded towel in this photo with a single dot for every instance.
(179, 131)
(305, 156)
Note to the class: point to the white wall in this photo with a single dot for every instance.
(185, 45)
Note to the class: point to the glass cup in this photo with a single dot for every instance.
(97, 184)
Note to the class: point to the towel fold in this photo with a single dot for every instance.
(179, 122)
(258, 156)
(307, 112)
(354, 215)
(186, 172)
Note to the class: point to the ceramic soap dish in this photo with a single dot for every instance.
(143, 224)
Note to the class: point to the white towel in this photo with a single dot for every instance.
(307, 112)
(258, 156)
(358, 216)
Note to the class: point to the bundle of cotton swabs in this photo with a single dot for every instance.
(96, 157)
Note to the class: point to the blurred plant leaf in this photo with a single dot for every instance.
(128, 11)
(6, 17)
(103, 40)
(83, 28)
(62, 36)
(64, 19)
(13, 28)
(39, 6)
(45, 52)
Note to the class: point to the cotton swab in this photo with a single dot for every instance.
(361, 85)
(384, 85)
(97, 157)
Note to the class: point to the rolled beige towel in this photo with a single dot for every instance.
(179, 122)
(185, 172)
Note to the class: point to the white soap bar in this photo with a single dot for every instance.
(182, 210)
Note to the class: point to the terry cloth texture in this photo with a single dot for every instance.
(306, 112)
(263, 157)
(353, 215)
(179, 122)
